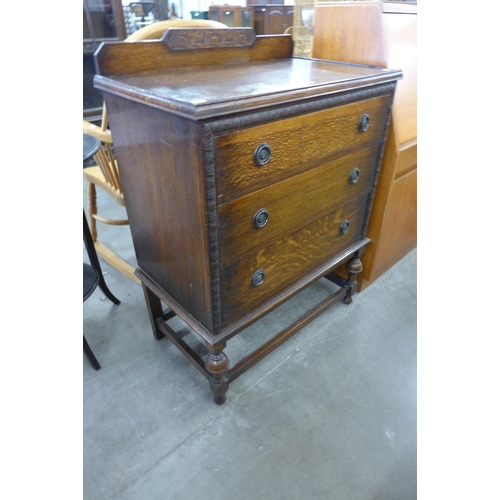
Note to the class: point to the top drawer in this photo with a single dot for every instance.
(295, 145)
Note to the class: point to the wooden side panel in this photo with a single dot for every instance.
(165, 198)
(349, 32)
(400, 31)
(398, 234)
(407, 160)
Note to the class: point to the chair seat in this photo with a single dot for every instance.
(95, 176)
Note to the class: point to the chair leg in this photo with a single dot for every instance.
(94, 260)
(90, 355)
(92, 209)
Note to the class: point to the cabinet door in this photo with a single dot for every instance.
(275, 24)
(214, 13)
(247, 18)
(288, 17)
(259, 15)
(228, 17)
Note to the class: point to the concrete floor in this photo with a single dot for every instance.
(331, 414)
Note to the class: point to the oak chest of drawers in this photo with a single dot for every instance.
(248, 174)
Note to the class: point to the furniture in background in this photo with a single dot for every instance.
(156, 30)
(100, 22)
(382, 35)
(142, 9)
(238, 203)
(199, 14)
(303, 17)
(92, 273)
(270, 19)
(232, 15)
(265, 2)
(105, 21)
(106, 174)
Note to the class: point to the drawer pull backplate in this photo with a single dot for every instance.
(344, 227)
(258, 277)
(260, 218)
(364, 123)
(354, 176)
(262, 154)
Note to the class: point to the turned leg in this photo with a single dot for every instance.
(92, 210)
(155, 310)
(217, 365)
(353, 267)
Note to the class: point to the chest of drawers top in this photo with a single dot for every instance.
(246, 172)
(203, 73)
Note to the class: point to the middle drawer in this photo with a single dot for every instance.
(252, 220)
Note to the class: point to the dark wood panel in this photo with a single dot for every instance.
(165, 200)
(288, 259)
(292, 203)
(154, 56)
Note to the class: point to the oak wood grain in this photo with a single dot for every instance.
(384, 34)
(165, 201)
(292, 203)
(173, 126)
(297, 144)
(398, 234)
(113, 59)
(349, 32)
(286, 260)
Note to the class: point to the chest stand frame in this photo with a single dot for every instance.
(214, 364)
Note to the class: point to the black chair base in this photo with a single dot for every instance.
(90, 355)
(93, 278)
(92, 274)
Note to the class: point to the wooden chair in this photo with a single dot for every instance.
(106, 174)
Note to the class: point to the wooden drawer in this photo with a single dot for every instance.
(297, 144)
(287, 260)
(292, 203)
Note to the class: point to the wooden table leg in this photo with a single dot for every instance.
(155, 310)
(353, 267)
(217, 364)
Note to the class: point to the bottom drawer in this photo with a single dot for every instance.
(258, 277)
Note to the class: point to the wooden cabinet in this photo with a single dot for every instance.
(248, 175)
(232, 15)
(272, 19)
(102, 20)
(265, 2)
(382, 34)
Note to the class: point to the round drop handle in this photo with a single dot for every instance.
(262, 154)
(258, 277)
(260, 218)
(354, 176)
(344, 227)
(364, 123)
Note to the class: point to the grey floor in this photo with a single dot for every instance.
(331, 414)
